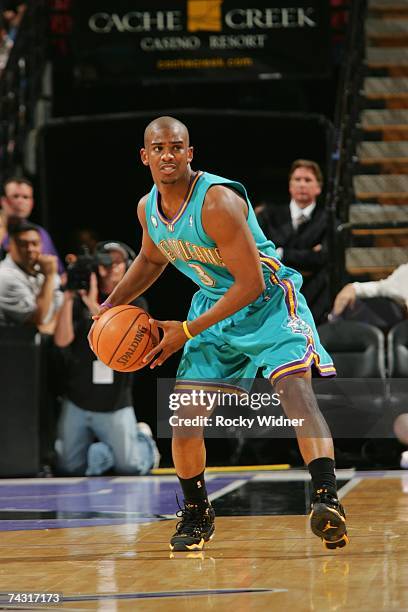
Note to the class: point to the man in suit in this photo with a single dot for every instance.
(299, 232)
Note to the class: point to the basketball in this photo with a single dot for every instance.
(123, 336)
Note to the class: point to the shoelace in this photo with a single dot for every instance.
(333, 502)
(189, 516)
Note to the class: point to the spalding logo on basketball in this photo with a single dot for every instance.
(139, 336)
(123, 336)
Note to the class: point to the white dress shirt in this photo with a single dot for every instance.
(19, 291)
(300, 215)
(394, 286)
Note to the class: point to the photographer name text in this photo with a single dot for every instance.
(239, 421)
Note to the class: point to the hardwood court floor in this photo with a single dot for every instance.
(253, 563)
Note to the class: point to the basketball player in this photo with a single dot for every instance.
(247, 314)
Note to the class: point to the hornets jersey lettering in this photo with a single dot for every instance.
(186, 245)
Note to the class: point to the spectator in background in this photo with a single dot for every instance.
(97, 401)
(18, 201)
(299, 232)
(6, 44)
(3, 232)
(84, 237)
(383, 303)
(29, 284)
(13, 14)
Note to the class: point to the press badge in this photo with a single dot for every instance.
(101, 374)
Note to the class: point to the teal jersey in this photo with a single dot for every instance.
(184, 242)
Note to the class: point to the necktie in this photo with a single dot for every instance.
(300, 220)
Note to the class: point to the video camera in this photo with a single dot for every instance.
(81, 266)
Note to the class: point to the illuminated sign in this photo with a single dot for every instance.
(213, 39)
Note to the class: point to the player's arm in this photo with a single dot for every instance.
(145, 269)
(224, 220)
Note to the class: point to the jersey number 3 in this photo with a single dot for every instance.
(205, 278)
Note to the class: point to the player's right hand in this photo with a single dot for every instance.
(344, 299)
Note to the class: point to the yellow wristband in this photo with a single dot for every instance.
(187, 331)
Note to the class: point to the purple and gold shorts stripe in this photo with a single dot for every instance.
(327, 369)
(311, 357)
(290, 296)
(285, 284)
(271, 262)
(300, 365)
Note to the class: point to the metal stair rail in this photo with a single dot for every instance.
(340, 186)
(378, 218)
(20, 85)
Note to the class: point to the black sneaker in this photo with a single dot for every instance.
(328, 520)
(195, 528)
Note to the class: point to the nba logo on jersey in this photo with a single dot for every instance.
(190, 221)
(170, 227)
(153, 220)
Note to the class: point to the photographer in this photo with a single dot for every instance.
(29, 284)
(97, 402)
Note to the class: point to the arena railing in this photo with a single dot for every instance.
(20, 85)
(340, 189)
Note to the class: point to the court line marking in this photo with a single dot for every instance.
(227, 489)
(300, 475)
(42, 481)
(163, 594)
(382, 473)
(342, 492)
(59, 495)
(143, 479)
(231, 468)
(101, 512)
(158, 478)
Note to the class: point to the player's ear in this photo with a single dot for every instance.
(190, 154)
(143, 157)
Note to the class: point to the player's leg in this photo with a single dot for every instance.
(206, 361)
(189, 457)
(197, 516)
(278, 333)
(298, 400)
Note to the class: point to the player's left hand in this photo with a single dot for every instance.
(173, 340)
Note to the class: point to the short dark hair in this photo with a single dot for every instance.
(18, 226)
(20, 180)
(165, 122)
(310, 165)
